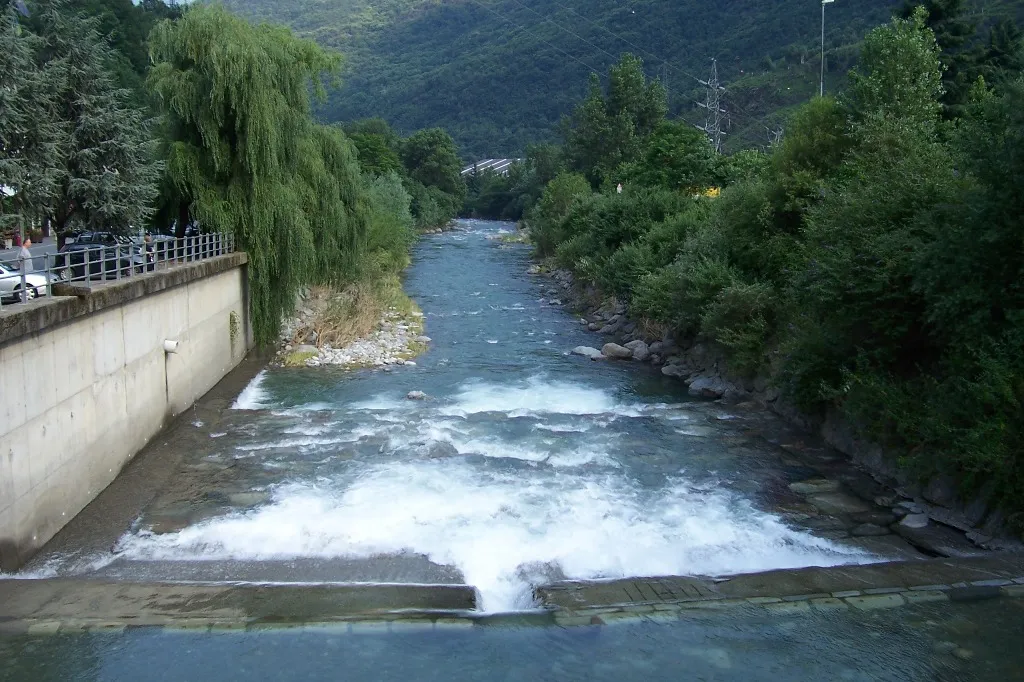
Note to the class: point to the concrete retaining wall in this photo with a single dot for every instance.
(85, 383)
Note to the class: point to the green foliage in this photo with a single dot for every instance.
(32, 137)
(610, 129)
(248, 159)
(899, 75)
(391, 231)
(742, 317)
(125, 27)
(430, 157)
(109, 175)
(554, 205)
(74, 146)
(376, 156)
(677, 156)
(872, 263)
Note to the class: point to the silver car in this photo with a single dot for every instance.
(10, 284)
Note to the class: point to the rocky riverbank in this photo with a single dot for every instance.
(353, 329)
(882, 498)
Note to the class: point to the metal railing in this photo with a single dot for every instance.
(84, 264)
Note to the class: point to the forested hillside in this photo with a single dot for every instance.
(499, 74)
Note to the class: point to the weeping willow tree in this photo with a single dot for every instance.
(244, 155)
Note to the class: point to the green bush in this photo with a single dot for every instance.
(620, 272)
(391, 231)
(742, 318)
(547, 216)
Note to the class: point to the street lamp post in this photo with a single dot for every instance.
(823, 3)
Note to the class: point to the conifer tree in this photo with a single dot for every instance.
(32, 139)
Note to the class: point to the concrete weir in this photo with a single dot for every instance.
(863, 587)
(65, 605)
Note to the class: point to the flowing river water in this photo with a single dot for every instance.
(525, 464)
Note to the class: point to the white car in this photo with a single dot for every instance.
(10, 284)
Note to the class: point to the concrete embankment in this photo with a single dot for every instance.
(91, 375)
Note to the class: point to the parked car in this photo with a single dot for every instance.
(101, 253)
(10, 284)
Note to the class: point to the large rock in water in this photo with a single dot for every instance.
(587, 352)
(708, 387)
(639, 350)
(614, 350)
(678, 371)
(416, 395)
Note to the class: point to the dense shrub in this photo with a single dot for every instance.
(872, 263)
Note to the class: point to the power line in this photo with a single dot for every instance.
(523, 28)
(716, 129)
(593, 45)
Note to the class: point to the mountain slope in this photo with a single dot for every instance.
(499, 74)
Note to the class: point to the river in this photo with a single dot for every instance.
(525, 464)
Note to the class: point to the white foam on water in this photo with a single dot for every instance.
(563, 428)
(536, 395)
(380, 403)
(307, 441)
(253, 396)
(496, 528)
(309, 429)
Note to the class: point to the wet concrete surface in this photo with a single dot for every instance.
(90, 603)
(989, 573)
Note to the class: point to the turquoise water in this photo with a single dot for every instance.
(952, 642)
(526, 464)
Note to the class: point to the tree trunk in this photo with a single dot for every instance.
(183, 219)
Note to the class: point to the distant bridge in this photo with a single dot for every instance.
(499, 166)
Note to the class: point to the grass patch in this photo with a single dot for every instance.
(298, 359)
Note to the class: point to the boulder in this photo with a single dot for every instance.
(305, 348)
(675, 371)
(708, 387)
(936, 539)
(612, 327)
(914, 521)
(656, 348)
(594, 326)
(614, 350)
(587, 352)
(423, 339)
(639, 350)
(416, 395)
(838, 503)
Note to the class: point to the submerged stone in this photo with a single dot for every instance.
(814, 486)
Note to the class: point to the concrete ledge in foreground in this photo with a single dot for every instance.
(89, 604)
(969, 578)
